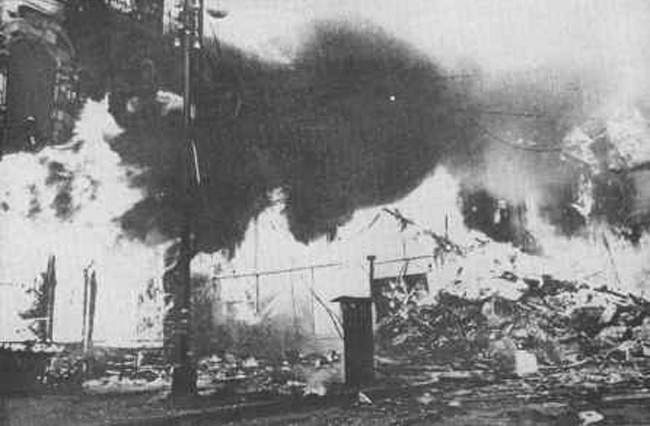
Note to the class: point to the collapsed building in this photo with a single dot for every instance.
(408, 253)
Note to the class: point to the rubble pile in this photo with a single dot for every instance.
(102, 370)
(515, 323)
(296, 374)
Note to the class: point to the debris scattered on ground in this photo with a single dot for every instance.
(363, 399)
(426, 398)
(539, 321)
(306, 374)
(590, 417)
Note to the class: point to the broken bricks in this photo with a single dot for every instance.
(554, 322)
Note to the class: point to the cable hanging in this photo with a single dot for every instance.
(503, 141)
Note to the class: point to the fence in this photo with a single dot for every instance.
(292, 308)
(275, 310)
(279, 310)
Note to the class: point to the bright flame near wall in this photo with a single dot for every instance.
(268, 244)
(66, 201)
(600, 258)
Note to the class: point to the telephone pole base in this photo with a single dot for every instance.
(183, 381)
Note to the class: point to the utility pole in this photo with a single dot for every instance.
(190, 38)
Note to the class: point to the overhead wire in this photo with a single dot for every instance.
(495, 112)
(524, 114)
(511, 144)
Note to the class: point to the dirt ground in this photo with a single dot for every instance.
(401, 413)
(501, 403)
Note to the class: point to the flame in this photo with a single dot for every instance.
(65, 201)
(599, 256)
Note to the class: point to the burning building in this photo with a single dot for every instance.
(355, 119)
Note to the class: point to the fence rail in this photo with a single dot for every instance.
(317, 266)
(279, 271)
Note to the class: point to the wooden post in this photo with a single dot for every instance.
(84, 313)
(92, 303)
(89, 304)
(312, 306)
(371, 270)
(446, 226)
(256, 266)
(294, 314)
(50, 288)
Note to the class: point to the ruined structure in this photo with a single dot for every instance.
(41, 69)
(39, 94)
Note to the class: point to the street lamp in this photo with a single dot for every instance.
(184, 377)
(189, 37)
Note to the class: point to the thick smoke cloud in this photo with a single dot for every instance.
(361, 120)
(357, 119)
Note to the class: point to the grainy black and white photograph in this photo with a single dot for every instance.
(324, 212)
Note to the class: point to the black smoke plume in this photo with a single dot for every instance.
(357, 119)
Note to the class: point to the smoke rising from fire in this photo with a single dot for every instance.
(358, 112)
(349, 114)
(564, 64)
(357, 119)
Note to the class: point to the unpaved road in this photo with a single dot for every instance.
(497, 404)
(400, 412)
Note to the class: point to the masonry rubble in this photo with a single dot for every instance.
(494, 315)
